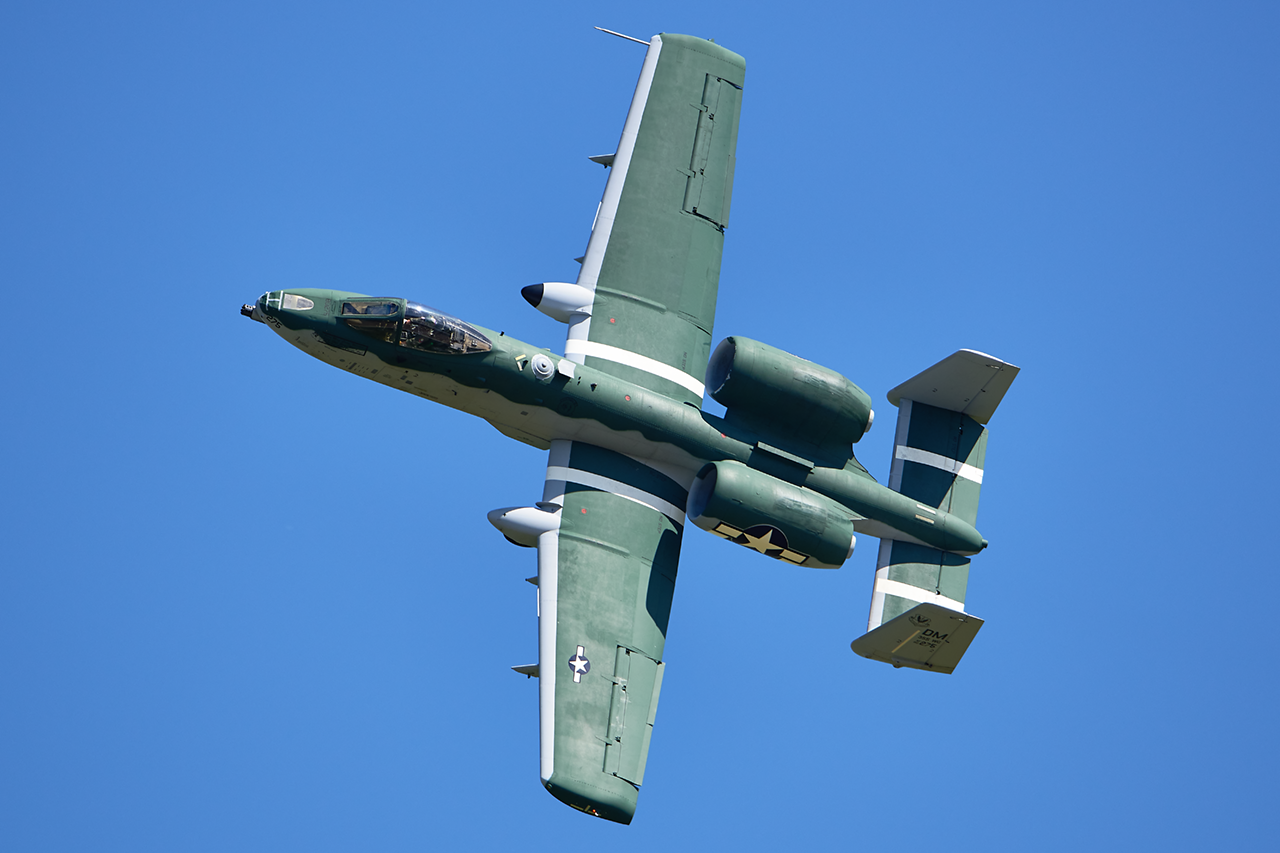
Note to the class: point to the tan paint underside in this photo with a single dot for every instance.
(536, 426)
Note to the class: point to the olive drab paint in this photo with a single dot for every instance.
(632, 458)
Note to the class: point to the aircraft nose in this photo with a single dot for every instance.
(254, 310)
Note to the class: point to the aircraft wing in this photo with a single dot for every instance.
(605, 582)
(653, 259)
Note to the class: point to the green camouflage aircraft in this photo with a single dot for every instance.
(632, 456)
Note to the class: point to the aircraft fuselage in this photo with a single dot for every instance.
(535, 396)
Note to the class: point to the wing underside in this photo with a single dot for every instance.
(606, 573)
(653, 259)
(605, 584)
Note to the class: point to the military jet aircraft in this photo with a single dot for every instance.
(632, 458)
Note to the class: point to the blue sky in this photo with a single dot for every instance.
(249, 602)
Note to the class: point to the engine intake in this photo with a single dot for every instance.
(777, 519)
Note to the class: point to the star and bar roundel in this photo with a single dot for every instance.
(764, 538)
(579, 665)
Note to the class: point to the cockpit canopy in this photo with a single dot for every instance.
(412, 325)
(370, 306)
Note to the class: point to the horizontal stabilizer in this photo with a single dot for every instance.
(926, 637)
(969, 382)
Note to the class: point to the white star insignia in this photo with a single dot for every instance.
(579, 664)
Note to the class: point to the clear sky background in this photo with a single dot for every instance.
(249, 602)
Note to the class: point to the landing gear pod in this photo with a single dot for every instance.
(765, 514)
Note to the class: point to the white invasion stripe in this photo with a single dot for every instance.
(934, 460)
(622, 490)
(559, 456)
(678, 474)
(885, 586)
(580, 326)
(632, 359)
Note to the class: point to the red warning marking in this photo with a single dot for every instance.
(612, 320)
(628, 398)
(584, 510)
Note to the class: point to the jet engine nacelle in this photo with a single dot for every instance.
(778, 519)
(790, 395)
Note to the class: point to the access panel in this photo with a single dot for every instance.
(637, 679)
(710, 186)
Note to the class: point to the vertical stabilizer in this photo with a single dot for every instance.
(940, 446)
(939, 460)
